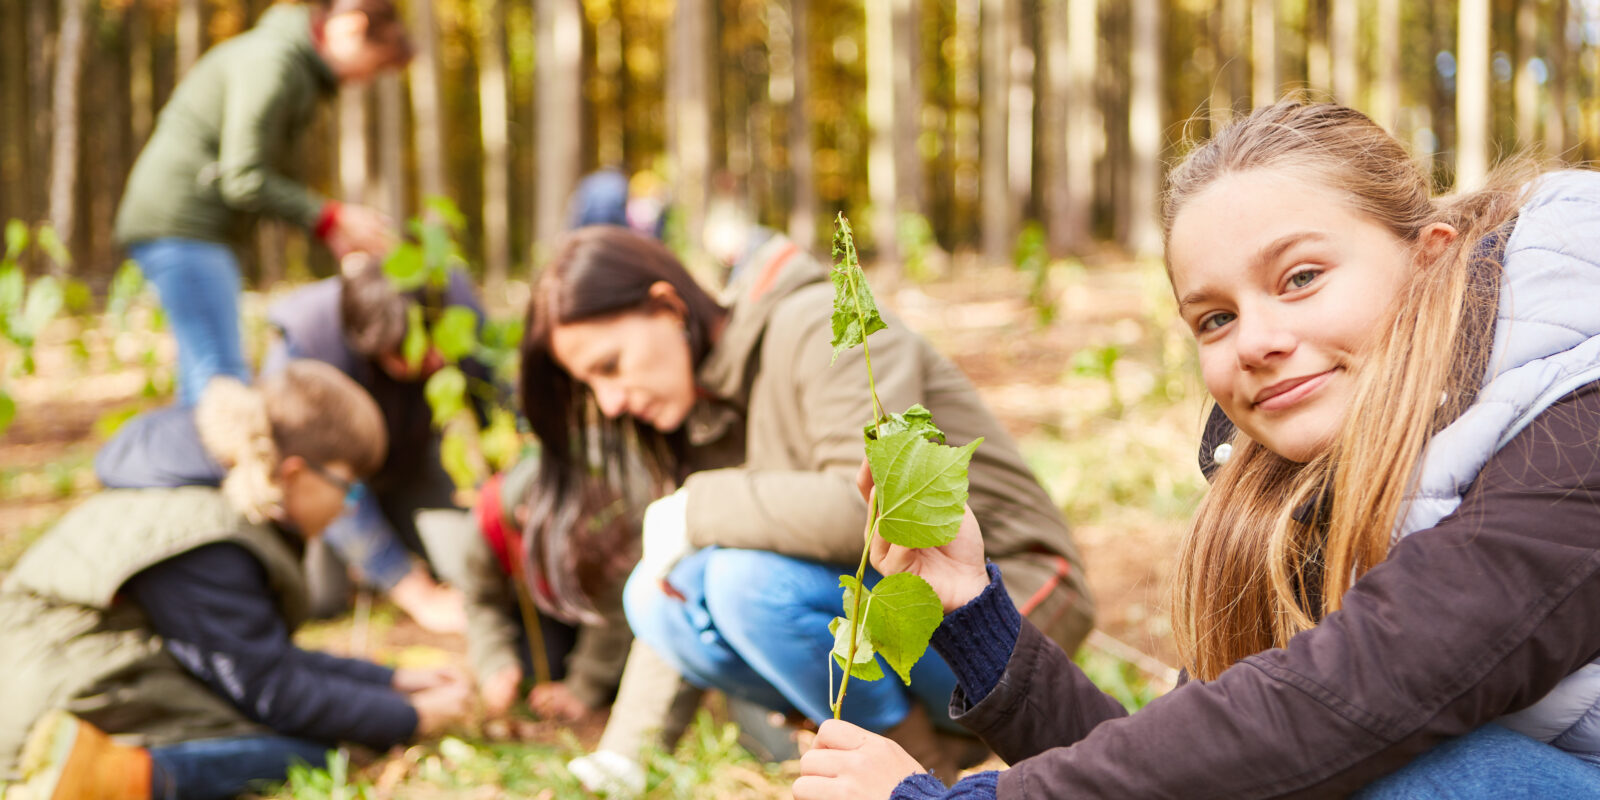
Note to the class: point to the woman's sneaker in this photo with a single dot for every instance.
(66, 758)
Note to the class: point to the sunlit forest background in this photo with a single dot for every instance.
(955, 123)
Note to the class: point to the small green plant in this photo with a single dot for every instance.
(1032, 258)
(26, 308)
(916, 240)
(332, 783)
(470, 449)
(920, 498)
(1100, 363)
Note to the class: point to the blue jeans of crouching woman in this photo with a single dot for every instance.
(754, 624)
(1490, 763)
(198, 283)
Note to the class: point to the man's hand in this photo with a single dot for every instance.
(850, 763)
(411, 681)
(441, 706)
(359, 229)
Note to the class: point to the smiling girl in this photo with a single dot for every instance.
(1390, 589)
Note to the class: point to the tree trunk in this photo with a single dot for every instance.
(1386, 76)
(912, 181)
(1055, 34)
(1144, 129)
(690, 109)
(559, 49)
(191, 34)
(994, 164)
(1526, 91)
(803, 214)
(1560, 82)
(391, 147)
(1264, 52)
(1319, 68)
(141, 68)
(882, 184)
(1020, 111)
(64, 150)
(426, 113)
(1228, 23)
(41, 35)
(1345, 51)
(1472, 94)
(17, 126)
(496, 144)
(352, 101)
(1085, 128)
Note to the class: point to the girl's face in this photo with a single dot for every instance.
(636, 363)
(354, 58)
(1283, 285)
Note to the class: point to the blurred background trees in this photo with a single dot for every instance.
(969, 118)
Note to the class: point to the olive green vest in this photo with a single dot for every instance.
(68, 641)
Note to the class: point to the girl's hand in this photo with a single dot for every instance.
(850, 762)
(955, 571)
(500, 691)
(441, 706)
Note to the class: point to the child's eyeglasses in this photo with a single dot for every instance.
(353, 490)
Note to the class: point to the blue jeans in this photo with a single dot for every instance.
(754, 624)
(1490, 763)
(198, 283)
(214, 769)
(364, 539)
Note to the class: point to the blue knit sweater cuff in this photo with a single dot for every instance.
(923, 786)
(976, 639)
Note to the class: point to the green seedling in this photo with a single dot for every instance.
(921, 494)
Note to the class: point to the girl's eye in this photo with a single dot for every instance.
(607, 368)
(1216, 321)
(1303, 278)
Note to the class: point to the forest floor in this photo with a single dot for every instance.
(1096, 380)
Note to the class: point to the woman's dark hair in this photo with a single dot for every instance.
(596, 272)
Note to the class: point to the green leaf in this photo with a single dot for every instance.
(446, 391)
(125, 288)
(12, 288)
(455, 456)
(52, 246)
(917, 419)
(456, 333)
(866, 666)
(500, 442)
(77, 296)
(905, 612)
(405, 267)
(445, 209)
(16, 239)
(44, 302)
(855, 314)
(8, 411)
(922, 488)
(414, 347)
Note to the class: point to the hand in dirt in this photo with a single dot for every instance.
(847, 761)
(955, 571)
(441, 707)
(411, 681)
(555, 701)
(499, 691)
(359, 229)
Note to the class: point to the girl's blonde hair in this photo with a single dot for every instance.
(1275, 544)
(310, 410)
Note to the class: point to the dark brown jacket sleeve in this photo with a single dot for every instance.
(1467, 621)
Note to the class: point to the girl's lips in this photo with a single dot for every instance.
(1295, 393)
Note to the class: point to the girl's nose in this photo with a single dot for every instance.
(1262, 336)
(612, 400)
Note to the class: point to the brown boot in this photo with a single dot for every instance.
(917, 736)
(66, 758)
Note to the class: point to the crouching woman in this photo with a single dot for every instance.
(162, 617)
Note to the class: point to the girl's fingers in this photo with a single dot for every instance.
(828, 763)
(864, 481)
(836, 734)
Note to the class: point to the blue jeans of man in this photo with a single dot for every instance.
(198, 283)
(215, 769)
(1490, 763)
(754, 624)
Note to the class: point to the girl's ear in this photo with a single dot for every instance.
(1435, 238)
(665, 295)
(289, 468)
